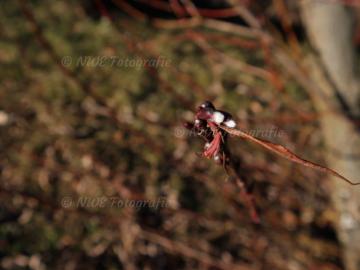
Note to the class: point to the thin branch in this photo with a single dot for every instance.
(286, 153)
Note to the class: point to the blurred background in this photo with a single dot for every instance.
(98, 171)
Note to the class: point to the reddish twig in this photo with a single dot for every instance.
(204, 12)
(284, 152)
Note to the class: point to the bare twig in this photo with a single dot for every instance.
(284, 152)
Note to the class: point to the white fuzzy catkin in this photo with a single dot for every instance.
(230, 123)
(218, 117)
(207, 145)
